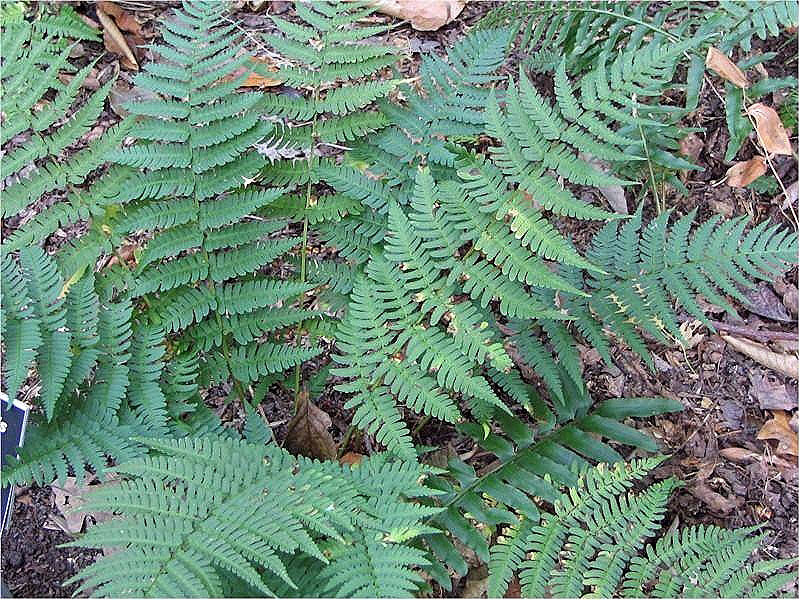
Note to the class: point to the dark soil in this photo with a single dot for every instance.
(33, 564)
(732, 478)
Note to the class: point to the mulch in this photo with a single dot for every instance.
(713, 381)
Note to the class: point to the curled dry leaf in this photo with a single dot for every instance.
(746, 172)
(725, 68)
(424, 15)
(308, 432)
(115, 42)
(787, 364)
(125, 20)
(778, 428)
(771, 132)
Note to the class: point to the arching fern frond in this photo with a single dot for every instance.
(593, 542)
(237, 508)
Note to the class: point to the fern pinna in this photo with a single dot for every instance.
(195, 190)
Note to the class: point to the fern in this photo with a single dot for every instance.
(401, 307)
(82, 357)
(656, 265)
(531, 462)
(339, 71)
(236, 510)
(196, 146)
(36, 166)
(594, 539)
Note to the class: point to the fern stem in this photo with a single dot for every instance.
(659, 209)
(304, 248)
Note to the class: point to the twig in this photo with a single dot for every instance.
(762, 335)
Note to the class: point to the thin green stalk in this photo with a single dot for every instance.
(304, 248)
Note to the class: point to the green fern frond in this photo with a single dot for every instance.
(270, 506)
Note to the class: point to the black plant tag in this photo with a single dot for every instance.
(12, 434)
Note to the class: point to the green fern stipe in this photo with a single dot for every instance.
(237, 509)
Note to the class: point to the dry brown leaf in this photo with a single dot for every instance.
(308, 433)
(739, 455)
(68, 500)
(778, 428)
(256, 76)
(115, 42)
(771, 132)
(772, 393)
(691, 146)
(725, 68)
(125, 20)
(258, 79)
(714, 500)
(746, 172)
(351, 458)
(787, 364)
(424, 15)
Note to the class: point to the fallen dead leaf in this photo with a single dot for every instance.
(121, 93)
(714, 500)
(68, 499)
(691, 146)
(746, 172)
(789, 294)
(115, 42)
(764, 302)
(424, 15)
(778, 428)
(772, 393)
(789, 198)
(691, 336)
(308, 433)
(725, 68)
(771, 132)
(787, 364)
(258, 79)
(257, 75)
(351, 458)
(125, 20)
(739, 455)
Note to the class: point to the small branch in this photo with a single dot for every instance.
(761, 335)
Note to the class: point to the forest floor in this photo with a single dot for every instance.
(732, 477)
